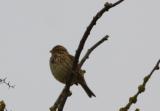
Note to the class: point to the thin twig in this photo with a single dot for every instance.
(7, 83)
(141, 88)
(86, 56)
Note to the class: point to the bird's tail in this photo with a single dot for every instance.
(87, 89)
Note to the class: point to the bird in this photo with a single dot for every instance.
(61, 68)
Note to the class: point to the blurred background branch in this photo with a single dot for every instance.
(141, 88)
(3, 81)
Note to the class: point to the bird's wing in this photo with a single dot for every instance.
(71, 57)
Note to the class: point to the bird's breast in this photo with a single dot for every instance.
(61, 69)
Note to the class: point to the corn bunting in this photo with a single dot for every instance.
(61, 67)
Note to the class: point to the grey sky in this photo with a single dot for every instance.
(30, 28)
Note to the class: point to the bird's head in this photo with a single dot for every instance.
(58, 49)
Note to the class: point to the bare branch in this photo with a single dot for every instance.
(7, 83)
(59, 100)
(141, 88)
(62, 99)
(106, 7)
(86, 56)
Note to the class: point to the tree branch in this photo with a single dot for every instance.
(65, 91)
(141, 88)
(106, 7)
(7, 83)
(86, 56)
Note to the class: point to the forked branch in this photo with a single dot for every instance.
(86, 56)
(59, 104)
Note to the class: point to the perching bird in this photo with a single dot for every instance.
(61, 66)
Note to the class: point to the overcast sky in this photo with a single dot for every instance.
(30, 28)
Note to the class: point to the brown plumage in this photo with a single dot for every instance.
(61, 66)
